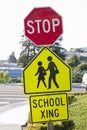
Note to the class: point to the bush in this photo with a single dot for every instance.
(58, 127)
(65, 125)
(15, 80)
(68, 125)
(43, 127)
(77, 77)
(71, 99)
(4, 77)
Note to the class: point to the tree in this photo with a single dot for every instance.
(77, 77)
(82, 67)
(79, 50)
(29, 50)
(60, 51)
(12, 58)
(83, 58)
(78, 73)
(74, 61)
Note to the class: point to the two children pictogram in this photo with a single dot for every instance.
(41, 72)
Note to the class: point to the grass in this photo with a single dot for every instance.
(78, 112)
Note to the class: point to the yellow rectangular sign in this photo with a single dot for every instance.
(48, 107)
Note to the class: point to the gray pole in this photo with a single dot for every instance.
(50, 126)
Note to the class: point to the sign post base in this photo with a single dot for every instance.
(50, 126)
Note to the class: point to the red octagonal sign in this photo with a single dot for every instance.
(43, 26)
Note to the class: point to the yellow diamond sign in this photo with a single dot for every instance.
(46, 72)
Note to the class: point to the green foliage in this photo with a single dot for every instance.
(22, 59)
(29, 50)
(78, 69)
(4, 77)
(65, 125)
(82, 67)
(78, 64)
(68, 125)
(83, 59)
(71, 99)
(12, 58)
(74, 61)
(15, 80)
(60, 51)
(58, 127)
(43, 127)
(77, 77)
(79, 50)
(78, 112)
(1, 77)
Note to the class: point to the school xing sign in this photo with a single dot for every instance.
(45, 73)
(48, 107)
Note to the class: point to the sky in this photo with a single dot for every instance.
(13, 12)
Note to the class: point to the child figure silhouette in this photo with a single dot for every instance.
(41, 74)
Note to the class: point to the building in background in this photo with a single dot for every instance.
(12, 68)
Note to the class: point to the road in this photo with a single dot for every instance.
(14, 107)
(11, 93)
(14, 93)
(78, 87)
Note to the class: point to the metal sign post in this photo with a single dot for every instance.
(50, 126)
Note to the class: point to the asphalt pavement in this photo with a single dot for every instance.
(11, 93)
(14, 107)
(79, 87)
(14, 93)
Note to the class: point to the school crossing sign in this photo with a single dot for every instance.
(49, 107)
(46, 73)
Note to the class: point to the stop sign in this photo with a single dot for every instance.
(43, 26)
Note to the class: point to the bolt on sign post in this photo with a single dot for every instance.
(45, 73)
(43, 26)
